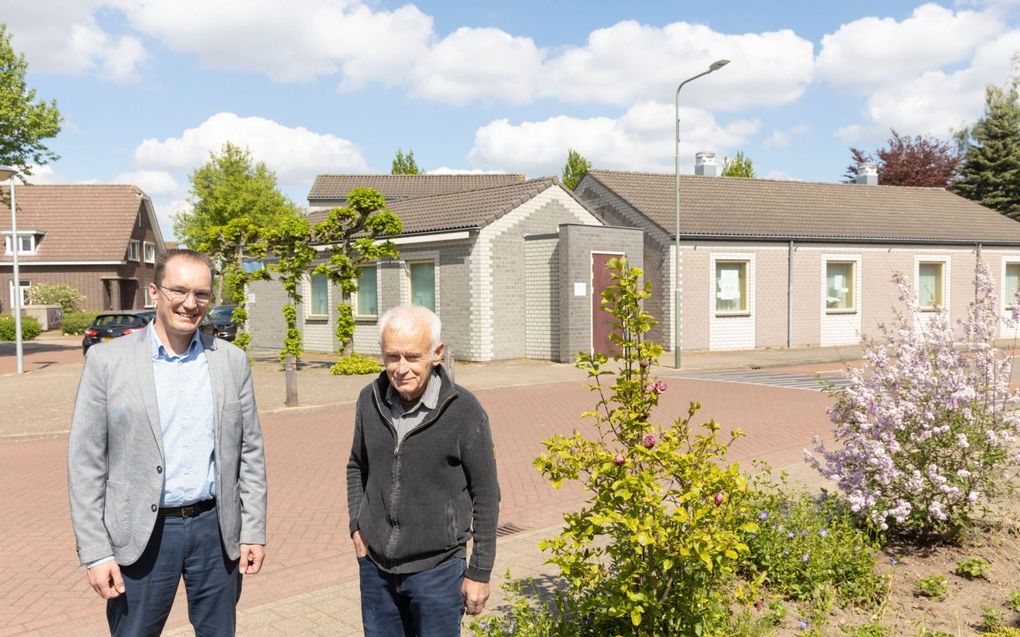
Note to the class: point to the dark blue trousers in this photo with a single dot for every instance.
(425, 604)
(188, 547)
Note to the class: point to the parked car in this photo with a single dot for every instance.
(219, 322)
(112, 324)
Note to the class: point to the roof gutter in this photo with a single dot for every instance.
(425, 237)
(810, 239)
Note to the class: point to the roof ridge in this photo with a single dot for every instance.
(756, 179)
(526, 182)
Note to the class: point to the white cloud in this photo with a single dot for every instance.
(874, 50)
(42, 175)
(297, 155)
(63, 37)
(629, 62)
(782, 138)
(155, 183)
(641, 139)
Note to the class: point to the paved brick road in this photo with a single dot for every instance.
(44, 592)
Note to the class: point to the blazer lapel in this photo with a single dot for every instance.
(217, 370)
(147, 385)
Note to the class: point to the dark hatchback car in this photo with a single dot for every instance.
(112, 324)
(219, 322)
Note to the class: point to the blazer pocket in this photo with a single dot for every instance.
(117, 513)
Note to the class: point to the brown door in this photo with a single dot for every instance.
(128, 292)
(601, 320)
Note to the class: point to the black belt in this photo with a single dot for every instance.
(188, 510)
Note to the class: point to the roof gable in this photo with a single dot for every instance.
(394, 187)
(80, 222)
(733, 207)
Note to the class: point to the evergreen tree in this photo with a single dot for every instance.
(739, 166)
(24, 121)
(991, 166)
(404, 164)
(575, 168)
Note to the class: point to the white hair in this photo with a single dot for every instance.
(406, 319)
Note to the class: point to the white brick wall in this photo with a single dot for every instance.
(841, 328)
(732, 332)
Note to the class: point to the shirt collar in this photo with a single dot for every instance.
(429, 398)
(160, 351)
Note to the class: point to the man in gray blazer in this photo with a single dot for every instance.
(166, 470)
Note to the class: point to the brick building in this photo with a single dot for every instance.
(102, 240)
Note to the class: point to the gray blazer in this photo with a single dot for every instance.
(115, 453)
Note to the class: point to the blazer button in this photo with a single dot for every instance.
(154, 508)
(159, 469)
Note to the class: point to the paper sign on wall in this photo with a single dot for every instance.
(580, 289)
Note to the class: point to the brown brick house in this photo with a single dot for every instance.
(101, 239)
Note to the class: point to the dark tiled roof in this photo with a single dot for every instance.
(460, 210)
(765, 208)
(81, 222)
(405, 186)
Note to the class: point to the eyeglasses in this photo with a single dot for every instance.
(202, 297)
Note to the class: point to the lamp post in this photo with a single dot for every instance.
(715, 66)
(7, 172)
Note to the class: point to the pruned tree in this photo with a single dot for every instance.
(25, 122)
(990, 174)
(404, 164)
(740, 165)
(575, 168)
(354, 235)
(920, 160)
(228, 245)
(289, 243)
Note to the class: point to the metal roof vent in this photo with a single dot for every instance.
(867, 173)
(704, 164)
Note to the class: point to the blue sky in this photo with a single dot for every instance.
(150, 87)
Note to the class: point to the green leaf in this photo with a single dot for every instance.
(635, 616)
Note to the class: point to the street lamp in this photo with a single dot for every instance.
(7, 172)
(715, 66)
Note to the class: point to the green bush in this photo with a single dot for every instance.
(805, 543)
(654, 550)
(66, 296)
(76, 322)
(354, 364)
(936, 587)
(973, 568)
(29, 328)
(1013, 603)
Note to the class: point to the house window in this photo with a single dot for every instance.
(319, 306)
(150, 252)
(839, 286)
(731, 287)
(23, 292)
(366, 298)
(149, 301)
(1012, 283)
(930, 283)
(26, 244)
(133, 250)
(423, 284)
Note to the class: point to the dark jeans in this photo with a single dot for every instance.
(425, 604)
(179, 546)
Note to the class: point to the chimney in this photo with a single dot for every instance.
(704, 164)
(867, 173)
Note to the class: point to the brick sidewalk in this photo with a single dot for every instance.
(306, 452)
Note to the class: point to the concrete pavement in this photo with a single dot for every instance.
(309, 583)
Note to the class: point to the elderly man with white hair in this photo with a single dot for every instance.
(421, 481)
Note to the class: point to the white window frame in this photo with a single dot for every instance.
(25, 284)
(134, 250)
(944, 262)
(149, 300)
(147, 248)
(309, 291)
(354, 296)
(1004, 294)
(851, 286)
(8, 242)
(434, 260)
(745, 292)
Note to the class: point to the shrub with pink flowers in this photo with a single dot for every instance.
(656, 546)
(927, 427)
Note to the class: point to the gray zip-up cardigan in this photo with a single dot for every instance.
(417, 505)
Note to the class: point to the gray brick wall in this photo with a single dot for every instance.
(577, 243)
(265, 321)
(542, 302)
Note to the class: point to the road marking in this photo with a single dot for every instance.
(813, 382)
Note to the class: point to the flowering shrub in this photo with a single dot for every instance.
(805, 543)
(925, 430)
(667, 519)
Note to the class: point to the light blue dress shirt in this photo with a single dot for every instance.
(188, 419)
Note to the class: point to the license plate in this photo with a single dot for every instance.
(106, 338)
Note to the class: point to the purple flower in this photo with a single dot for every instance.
(658, 387)
(791, 535)
(823, 532)
(764, 515)
(620, 460)
(804, 624)
(648, 441)
(719, 499)
(804, 558)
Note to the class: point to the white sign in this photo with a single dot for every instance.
(729, 285)
(580, 289)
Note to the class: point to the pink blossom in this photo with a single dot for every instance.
(658, 387)
(648, 441)
(620, 460)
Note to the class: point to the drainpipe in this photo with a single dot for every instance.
(789, 297)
